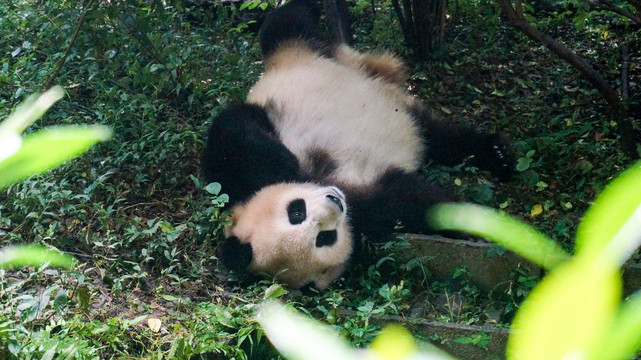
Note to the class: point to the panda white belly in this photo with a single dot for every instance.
(361, 123)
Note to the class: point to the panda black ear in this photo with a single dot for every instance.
(234, 255)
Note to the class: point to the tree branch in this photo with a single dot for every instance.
(47, 84)
(625, 68)
(618, 108)
(608, 5)
(402, 19)
(636, 4)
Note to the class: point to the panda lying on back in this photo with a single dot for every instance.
(326, 148)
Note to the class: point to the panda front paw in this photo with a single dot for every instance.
(498, 158)
(234, 255)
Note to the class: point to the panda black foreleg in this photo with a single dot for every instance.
(450, 144)
(244, 154)
(234, 255)
(398, 199)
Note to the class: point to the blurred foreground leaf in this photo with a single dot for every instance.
(30, 110)
(501, 229)
(566, 314)
(32, 255)
(611, 229)
(47, 148)
(298, 338)
(44, 149)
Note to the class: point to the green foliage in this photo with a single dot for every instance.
(254, 4)
(135, 214)
(112, 205)
(525, 162)
(481, 340)
(38, 152)
(552, 322)
(218, 218)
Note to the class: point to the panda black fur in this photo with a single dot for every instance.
(326, 148)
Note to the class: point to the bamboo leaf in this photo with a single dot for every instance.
(611, 228)
(47, 148)
(32, 255)
(501, 229)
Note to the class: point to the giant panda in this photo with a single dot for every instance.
(325, 150)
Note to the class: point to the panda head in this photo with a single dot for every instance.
(296, 232)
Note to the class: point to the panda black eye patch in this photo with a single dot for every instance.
(297, 211)
(326, 238)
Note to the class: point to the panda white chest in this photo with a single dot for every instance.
(360, 124)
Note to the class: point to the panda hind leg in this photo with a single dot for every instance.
(450, 144)
(399, 202)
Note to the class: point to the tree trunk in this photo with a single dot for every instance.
(608, 5)
(54, 73)
(338, 21)
(423, 25)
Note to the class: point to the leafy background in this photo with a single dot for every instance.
(136, 214)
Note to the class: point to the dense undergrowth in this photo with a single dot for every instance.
(136, 215)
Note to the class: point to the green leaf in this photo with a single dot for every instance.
(213, 188)
(49, 354)
(83, 295)
(155, 67)
(28, 310)
(523, 164)
(47, 148)
(623, 340)
(250, 5)
(165, 226)
(394, 342)
(136, 320)
(611, 228)
(32, 255)
(171, 298)
(300, 338)
(30, 110)
(566, 314)
(464, 340)
(225, 318)
(275, 291)
(14, 348)
(501, 229)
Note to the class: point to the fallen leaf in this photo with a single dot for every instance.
(536, 210)
(154, 324)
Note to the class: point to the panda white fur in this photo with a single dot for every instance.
(325, 148)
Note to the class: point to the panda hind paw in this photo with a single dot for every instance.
(500, 158)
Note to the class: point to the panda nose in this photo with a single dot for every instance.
(336, 201)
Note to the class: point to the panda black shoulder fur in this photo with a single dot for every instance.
(326, 148)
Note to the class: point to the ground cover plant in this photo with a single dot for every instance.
(142, 225)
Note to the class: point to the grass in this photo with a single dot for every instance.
(136, 215)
